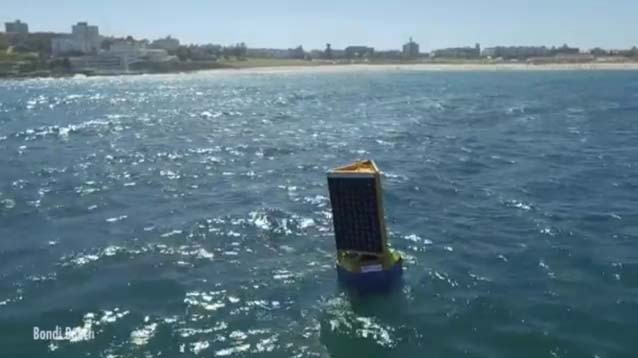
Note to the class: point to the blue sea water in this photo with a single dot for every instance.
(188, 215)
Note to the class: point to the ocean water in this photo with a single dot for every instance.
(188, 215)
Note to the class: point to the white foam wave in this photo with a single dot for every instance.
(200, 346)
(232, 350)
(343, 318)
(172, 233)
(116, 219)
(141, 336)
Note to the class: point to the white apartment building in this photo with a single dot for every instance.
(84, 38)
(134, 51)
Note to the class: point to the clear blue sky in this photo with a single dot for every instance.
(383, 24)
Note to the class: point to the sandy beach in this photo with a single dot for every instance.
(339, 68)
(311, 67)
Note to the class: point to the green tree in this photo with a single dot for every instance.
(243, 50)
(4, 43)
(297, 53)
(106, 43)
(328, 52)
(237, 50)
(60, 65)
(184, 53)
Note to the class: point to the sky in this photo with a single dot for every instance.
(385, 24)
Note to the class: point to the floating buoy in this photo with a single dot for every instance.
(364, 259)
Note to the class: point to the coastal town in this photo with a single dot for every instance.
(84, 50)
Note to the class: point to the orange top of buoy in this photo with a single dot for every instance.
(364, 166)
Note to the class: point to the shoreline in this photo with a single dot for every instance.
(311, 67)
(432, 67)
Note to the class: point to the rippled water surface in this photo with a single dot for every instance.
(189, 214)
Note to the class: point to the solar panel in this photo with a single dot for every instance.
(356, 210)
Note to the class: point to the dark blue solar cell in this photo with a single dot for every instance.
(355, 213)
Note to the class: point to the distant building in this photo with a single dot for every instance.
(267, 53)
(63, 45)
(338, 54)
(126, 48)
(121, 55)
(459, 52)
(389, 55)
(87, 35)
(632, 52)
(599, 52)
(564, 50)
(101, 62)
(84, 38)
(168, 43)
(16, 27)
(359, 52)
(133, 51)
(515, 52)
(411, 49)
